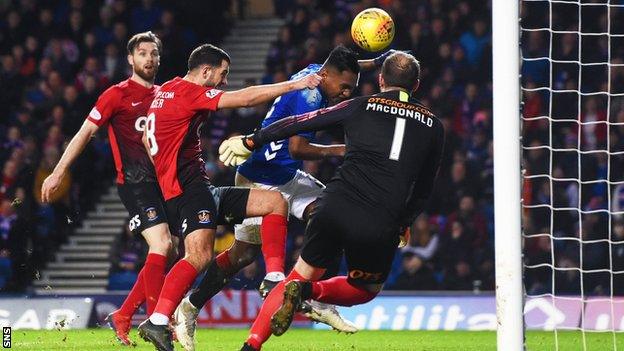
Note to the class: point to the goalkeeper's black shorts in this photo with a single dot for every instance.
(369, 240)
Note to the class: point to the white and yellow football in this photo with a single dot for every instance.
(372, 29)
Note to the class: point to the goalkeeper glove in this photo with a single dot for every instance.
(235, 150)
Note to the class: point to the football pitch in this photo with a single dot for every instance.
(313, 340)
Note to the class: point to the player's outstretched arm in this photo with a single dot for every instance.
(258, 94)
(236, 150)
(371, 64)
(74, 148)
(301, 148)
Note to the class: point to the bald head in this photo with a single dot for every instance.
(401, 70)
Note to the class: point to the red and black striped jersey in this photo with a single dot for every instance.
(124, 108)
(174, 118)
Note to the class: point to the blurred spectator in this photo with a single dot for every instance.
(416, 275)
(127, 256)
(55, 59)
(474, 42)
(423, 242)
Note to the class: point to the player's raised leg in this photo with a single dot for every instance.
(335, 291)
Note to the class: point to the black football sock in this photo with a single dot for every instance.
(306, 290)
(214, 280)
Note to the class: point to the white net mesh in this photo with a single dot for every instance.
(573, 162)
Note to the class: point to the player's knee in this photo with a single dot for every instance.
(197, 256)
(166, 245)
(161, 246)
(199, 260)
(279, 204)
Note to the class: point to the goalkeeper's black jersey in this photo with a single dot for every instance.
(393, 150)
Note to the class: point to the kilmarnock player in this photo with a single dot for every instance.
(173, 121)
(123, 107)
(277, 166)
(393, 150)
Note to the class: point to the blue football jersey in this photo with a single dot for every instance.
(272, 164)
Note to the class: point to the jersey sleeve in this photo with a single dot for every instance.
(307, 122)
(105, 106)
(423, 185)
(205, 99)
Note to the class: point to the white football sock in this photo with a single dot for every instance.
(275, 276)
(159, 319)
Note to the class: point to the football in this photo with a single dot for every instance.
(372, 29)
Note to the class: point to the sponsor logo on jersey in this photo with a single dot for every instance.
(151, 214)
(212, 93)
(165, 94)
(95, 114)
(401, 109)
(203, 216)
(136, 103)
(184, 225)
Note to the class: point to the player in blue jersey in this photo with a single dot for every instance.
(277, 166)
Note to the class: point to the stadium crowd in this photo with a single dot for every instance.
(57, 56)
(573, 218)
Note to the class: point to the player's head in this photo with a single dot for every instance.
(340, 74)
(400, 70)
(210, 65)
(144, 55)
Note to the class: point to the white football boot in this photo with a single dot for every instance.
(185, 317)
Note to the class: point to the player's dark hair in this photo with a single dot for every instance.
(207, 54)
(343, 59)
(401, 70)
(144, 37)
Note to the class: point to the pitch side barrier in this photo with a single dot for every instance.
(393, 310)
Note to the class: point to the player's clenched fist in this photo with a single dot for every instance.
(310, 81)
(234, 151)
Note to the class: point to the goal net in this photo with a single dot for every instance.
(572, 157)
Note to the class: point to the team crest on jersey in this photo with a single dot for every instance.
(212, 93)
(151, 214)
(95, 114)
(203, 216)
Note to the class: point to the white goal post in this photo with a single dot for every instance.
(507, 177)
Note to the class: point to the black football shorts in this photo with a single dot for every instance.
(203, 206)
(144, 203)
(368, 238)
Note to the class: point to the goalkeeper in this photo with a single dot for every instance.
(393, 150)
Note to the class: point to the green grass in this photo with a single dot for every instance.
(313, 340)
